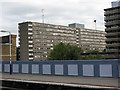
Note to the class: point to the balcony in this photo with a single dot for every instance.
(112, 34)
(110, 12)
(112, 39)
(112, 17)
(113, 28)
(112, 50)
(112, 23)
(113, 45)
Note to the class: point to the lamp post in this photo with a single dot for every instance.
(10, 50)
(95, 23)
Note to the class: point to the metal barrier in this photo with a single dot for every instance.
(93, 68)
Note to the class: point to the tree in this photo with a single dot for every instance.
(65, 52)
(93, 57)
(92, 51)
(99, 57)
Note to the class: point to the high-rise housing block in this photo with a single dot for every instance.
(112, 24)
(38, 39)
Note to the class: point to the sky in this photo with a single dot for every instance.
(59, 12)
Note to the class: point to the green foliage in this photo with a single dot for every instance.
(65, 52)
(99, 57)
(92, 51)
(68, 52)
(93, 57)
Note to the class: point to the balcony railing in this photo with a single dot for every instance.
(112, 39)
(112, 34)
(112, 12)
(113, 28)
(113, 22)
(112, 50)
(113, 45)
(112, 17)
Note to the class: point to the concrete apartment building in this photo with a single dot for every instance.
(5, 48)
(38, 39)
(112, 24)
(89, 39)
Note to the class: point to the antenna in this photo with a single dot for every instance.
(42, 15)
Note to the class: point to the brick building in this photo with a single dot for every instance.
(5, 48)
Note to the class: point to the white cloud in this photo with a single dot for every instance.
(56, 12)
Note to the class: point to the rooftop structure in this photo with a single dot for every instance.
(116, 3)
(76, 25)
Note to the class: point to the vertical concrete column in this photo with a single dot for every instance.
(65, 66)
(40, 68)
(116, 69)
(29, 67)
(96, 70)
(52, 68)
(20, 67)
(2, 66)
(80, 69)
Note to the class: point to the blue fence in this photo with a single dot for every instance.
(93, 68)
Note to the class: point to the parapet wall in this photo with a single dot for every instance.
(92, 68)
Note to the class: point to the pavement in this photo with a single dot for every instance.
(75, 81)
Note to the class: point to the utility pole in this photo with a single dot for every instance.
(42, 15)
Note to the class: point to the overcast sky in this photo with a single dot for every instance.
(60, 12)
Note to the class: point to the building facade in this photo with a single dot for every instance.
(89, 39)
(5, 48)
(112, 24)
(38, 39)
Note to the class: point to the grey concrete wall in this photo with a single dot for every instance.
(92, 68)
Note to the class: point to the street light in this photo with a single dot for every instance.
(10, 49)
(95, 23)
